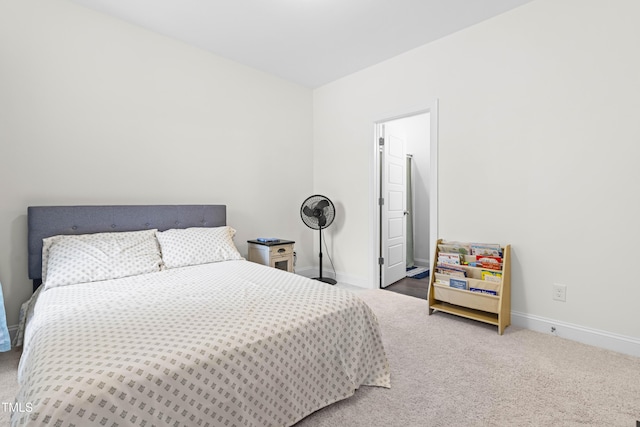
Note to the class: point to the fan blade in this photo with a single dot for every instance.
(321, 204)
(322, 221)
(308, 211)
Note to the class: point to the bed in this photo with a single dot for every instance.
(200, 337)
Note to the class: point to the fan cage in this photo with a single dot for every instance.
(312, 221)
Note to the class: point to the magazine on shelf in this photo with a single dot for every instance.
(489, 266)
(491, 262)
(483, 291)
(447, 258)
(491, 276)
(489, 258)
(455, 248)
(458, 283)
(451, 273)
(451, 270)
(491, 249)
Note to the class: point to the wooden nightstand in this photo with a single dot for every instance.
(274, 254)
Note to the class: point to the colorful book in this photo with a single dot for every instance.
(491, 249)
(455, 248)
(447, 258)
(491, 276)
(451, 270)
(489, 266)
(491, 262)
(484, 291)
(458, 283)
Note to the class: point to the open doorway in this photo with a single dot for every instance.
(405, 175)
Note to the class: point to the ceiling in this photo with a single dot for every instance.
(310, 42)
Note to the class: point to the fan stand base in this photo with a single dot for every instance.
(325, 280)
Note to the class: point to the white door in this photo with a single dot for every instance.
(393, 207)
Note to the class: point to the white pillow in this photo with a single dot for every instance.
(193, 246)
(70, 259)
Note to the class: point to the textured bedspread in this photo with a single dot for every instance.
(226, 344)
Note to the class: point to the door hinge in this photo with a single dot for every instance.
(381, 261)
(381, 201)
(381, 141)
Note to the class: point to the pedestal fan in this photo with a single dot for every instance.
(318, 212)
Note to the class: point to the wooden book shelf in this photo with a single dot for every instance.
(492, 309)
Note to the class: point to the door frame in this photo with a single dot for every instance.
(375, 235)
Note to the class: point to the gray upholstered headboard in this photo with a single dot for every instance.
(47, 221)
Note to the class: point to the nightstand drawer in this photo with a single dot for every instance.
(281, 250)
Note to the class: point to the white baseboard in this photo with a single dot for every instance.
(353, 280)
(595, 337)
(347, 279)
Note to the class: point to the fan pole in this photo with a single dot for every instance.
(323, 279)
(320, 231)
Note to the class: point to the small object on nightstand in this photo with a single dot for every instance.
(268, 240)
(276, 253)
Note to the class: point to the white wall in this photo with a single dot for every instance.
(537, 128)
(538, 147)
(96, 111)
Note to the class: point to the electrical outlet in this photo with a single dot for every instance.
(559, 292)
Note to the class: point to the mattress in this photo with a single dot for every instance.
(231, 343)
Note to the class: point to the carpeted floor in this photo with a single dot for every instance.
(8, 382)
(448, 371)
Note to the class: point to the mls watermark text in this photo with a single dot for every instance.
(16, 407)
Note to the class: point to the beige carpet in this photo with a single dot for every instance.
(8, 382)
(448, 371)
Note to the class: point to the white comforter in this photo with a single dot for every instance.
(226, 344)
